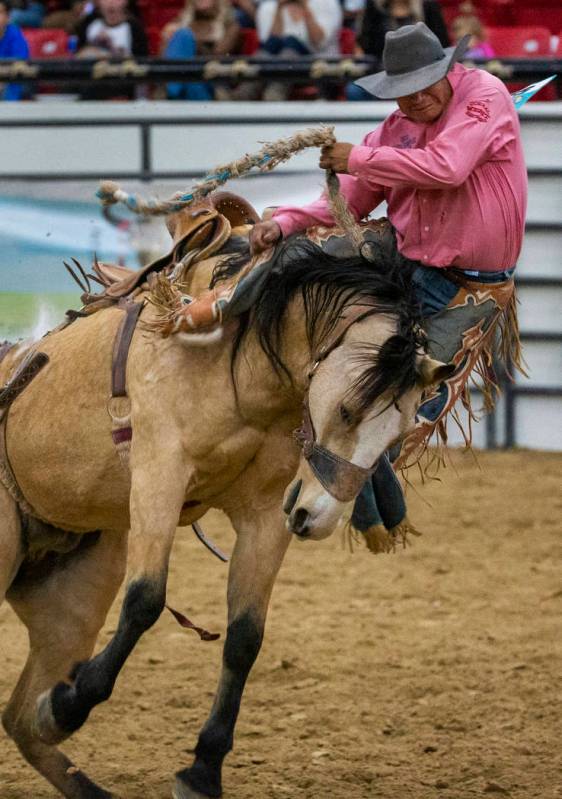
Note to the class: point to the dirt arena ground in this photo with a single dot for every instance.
(435, 672)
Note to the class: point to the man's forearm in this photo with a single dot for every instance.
(277, 27)
(315, 31)
(361, 200)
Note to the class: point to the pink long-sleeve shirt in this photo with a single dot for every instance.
(456, 189)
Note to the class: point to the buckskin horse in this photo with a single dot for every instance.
(211, 428)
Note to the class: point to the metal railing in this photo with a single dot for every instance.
(127, 72)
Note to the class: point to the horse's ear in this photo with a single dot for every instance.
(432, 372)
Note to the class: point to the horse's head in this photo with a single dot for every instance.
(362, 400)
(357, 324)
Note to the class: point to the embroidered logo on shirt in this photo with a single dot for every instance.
(479, 110)
(407, 142)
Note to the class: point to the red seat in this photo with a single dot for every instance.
(531, 42)
(347, 41)
(548, 16)
(490, 12)
(250, 41)
(154, 36)
(46, 42)
(156, 15)
(496, 12)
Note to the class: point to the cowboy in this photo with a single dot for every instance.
(449, 164)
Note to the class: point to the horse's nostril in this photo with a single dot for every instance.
(299, 522)
(292, 497)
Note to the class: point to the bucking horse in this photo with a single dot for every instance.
(92, 490)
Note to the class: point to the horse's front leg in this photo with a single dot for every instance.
(157, 492)
(260, 547)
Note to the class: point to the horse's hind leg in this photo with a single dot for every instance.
(11, 549)
(63, 610)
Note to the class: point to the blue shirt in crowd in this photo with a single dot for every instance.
(13, 45)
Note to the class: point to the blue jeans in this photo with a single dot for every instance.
(357, 94)
(381, 500)
(280, 44)
(243, 19)
(181, 47)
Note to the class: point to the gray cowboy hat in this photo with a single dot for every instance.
(413, 59)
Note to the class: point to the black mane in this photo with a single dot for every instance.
(329, 285)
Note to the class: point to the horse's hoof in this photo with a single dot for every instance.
(46, 728)
(183, 791)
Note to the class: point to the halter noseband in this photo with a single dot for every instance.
(342, 479)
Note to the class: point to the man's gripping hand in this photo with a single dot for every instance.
(264, 235)
(336, 157)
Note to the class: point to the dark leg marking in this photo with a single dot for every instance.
(93, 681)
(243, 642)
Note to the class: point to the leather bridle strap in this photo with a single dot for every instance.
(342, 479)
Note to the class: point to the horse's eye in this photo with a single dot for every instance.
(346, 415)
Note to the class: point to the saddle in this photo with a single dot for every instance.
(199, 232)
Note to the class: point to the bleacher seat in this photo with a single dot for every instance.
(46, 42)
(548, 16)
(491, 12)
(156, 15)
(530, 42)
(154, 36)
(250, 41)
(347, 41)
(519, 42)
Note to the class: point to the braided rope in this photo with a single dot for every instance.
(270, 156)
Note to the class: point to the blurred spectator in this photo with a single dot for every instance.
(294, 28)
(353, 11)
(300, 27)
(469, 23)
(67, 18)
(245, 11)
(27, 13)
(111, 31)
(206, 28)
(382, 16)
(12, 45)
